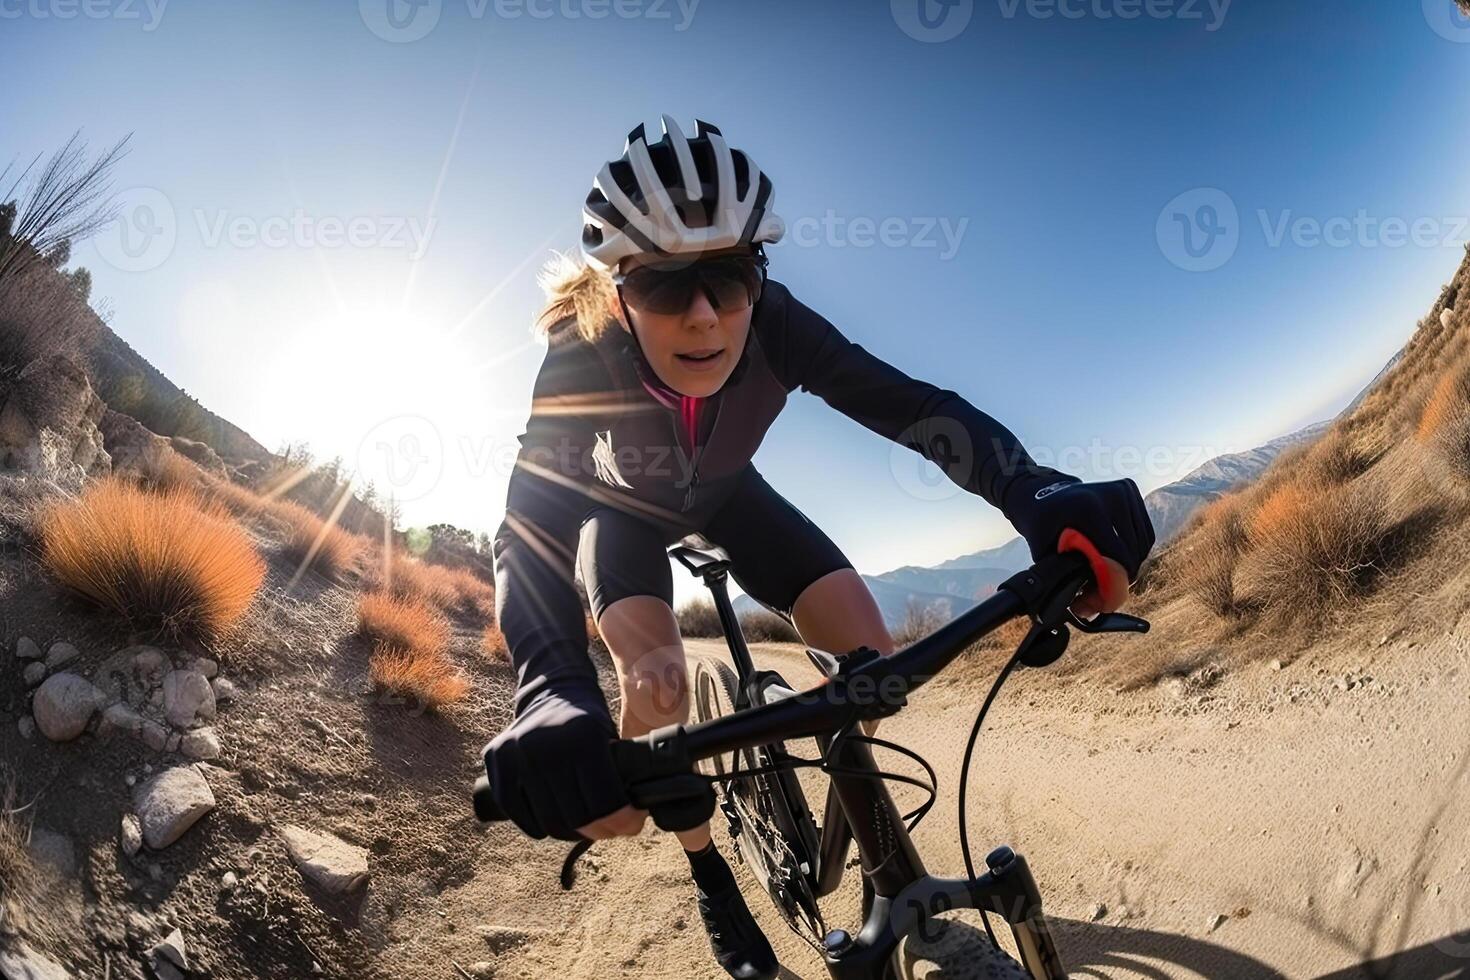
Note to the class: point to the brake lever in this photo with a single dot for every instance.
(1108, 623)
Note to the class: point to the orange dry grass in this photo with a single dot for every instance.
(475, 594)
(413, 579)
(163, 561)
(404, 623)
(429, 679)
(310, 540)
(493, 643)
(1447, 406)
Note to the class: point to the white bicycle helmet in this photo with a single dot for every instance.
(677, 195)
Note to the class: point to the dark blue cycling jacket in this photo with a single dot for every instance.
(597, 437)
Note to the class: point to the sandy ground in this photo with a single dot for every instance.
(1307, 821)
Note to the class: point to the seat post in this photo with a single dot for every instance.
(715, 579)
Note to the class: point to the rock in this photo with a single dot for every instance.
(48, 424)
(1099, 910)
(172, 745)
(26, 649)
(201, 454)
(135, 451)
(501, 938)
(121, 719)
(332, 864)
(1217, 921)
(171, 803)
(34, 673)
(27, 727)
(205, 666)
(64, 705)
(483, 970)
(149, 660)
(60, 655)
(1277, 665)
(54, 850)
(154, 735)
(1447, 317)
(201, 743)
(130, 835)
(23, 963)
(230, 881)
(187, 698)
(168, 959)
(224, 690)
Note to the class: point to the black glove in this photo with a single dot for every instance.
(1110, 515)
(551, 771)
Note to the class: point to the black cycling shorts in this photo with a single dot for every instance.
(775, 551)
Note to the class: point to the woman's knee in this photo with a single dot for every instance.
(642, 635)
(837, 612)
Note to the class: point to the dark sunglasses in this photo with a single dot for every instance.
(730, 282)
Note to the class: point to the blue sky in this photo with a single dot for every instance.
(346, 222)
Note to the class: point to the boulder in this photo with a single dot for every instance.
(200, 454)
(63, 706)
(26, 649)
(331, 864)
(136, 452)
(224, 690)
(170, 803)
(34, 673)
(154, 735)
(60, 655)
(121, 719)
(48, 423)
(187, 698)
(167, 959)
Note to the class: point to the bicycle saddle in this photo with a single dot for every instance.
(698, 554)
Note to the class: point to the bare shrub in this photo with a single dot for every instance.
(1444, 425)
(699, 617)
(492, 642)
(764, 626)
(18, 876)
(919, 620)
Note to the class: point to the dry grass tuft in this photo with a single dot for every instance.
(1444, 425)
(492, 641)
(404, 623)
(410, 578)
(475, 595)
(919, 620)
(17, 871)
(764, 626)
(311, 541)
(1206, 567)
(1312, 549)
(429, 679)
(167, 562)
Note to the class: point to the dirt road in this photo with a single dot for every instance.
(1306, 821)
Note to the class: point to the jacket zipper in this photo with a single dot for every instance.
(699, 451)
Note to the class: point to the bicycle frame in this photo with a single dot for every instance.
(904, 897)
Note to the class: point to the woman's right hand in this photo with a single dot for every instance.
(551, 772)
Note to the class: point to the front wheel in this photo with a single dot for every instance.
(953, 950)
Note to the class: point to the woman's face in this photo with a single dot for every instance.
(692, 352)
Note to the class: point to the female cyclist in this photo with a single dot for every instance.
(670, 353)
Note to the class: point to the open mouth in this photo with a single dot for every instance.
(701, 356)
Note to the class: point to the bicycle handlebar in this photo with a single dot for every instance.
(869, 687)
